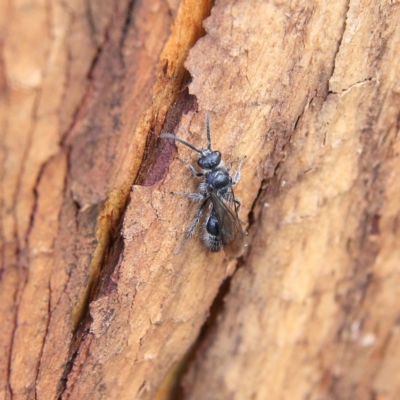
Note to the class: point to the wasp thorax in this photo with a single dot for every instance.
(210, 161)
(218, 179)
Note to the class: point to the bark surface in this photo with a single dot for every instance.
(93, 302)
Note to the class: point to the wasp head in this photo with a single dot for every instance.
(209, 159)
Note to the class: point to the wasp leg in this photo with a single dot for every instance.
(193, 196)
(193, 225)
(231, 164)
(192, 170)
(229, 198)
(238, 204)
(237, 176)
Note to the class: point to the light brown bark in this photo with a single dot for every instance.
(94, 303)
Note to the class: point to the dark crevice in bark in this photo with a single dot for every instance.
(128, 22)
(157, 157)
(81, 106)
(89, 75)
(76, 364)
(68, 364)
(158, 153)
(83, 325)
(339, 44)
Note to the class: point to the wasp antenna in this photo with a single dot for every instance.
(208, 131)
(172, 137)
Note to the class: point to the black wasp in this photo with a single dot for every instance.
(222, 226)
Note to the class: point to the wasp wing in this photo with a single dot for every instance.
(231, 231)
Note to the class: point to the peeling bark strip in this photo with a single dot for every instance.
(93, 302)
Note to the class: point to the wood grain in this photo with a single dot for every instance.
(312, 314)
(95, 304)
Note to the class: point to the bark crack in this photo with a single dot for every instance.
(23, 246)
(361, 83)
(79, 350)
(217, 307)
(82, 336)
(15, 321)
(127, 24)
(100, 45)
(339, 45)
(49, 309)
(44, 339)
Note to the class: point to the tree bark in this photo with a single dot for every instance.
(95, 304)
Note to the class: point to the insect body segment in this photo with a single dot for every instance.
(222, 228)
(211, 236)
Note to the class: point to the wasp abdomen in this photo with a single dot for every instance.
(212, 238)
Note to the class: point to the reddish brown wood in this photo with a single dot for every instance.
(93, 302)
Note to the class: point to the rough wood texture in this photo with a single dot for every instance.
(93, 302)
(313, 313)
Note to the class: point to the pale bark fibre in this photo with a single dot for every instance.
(93, 301)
